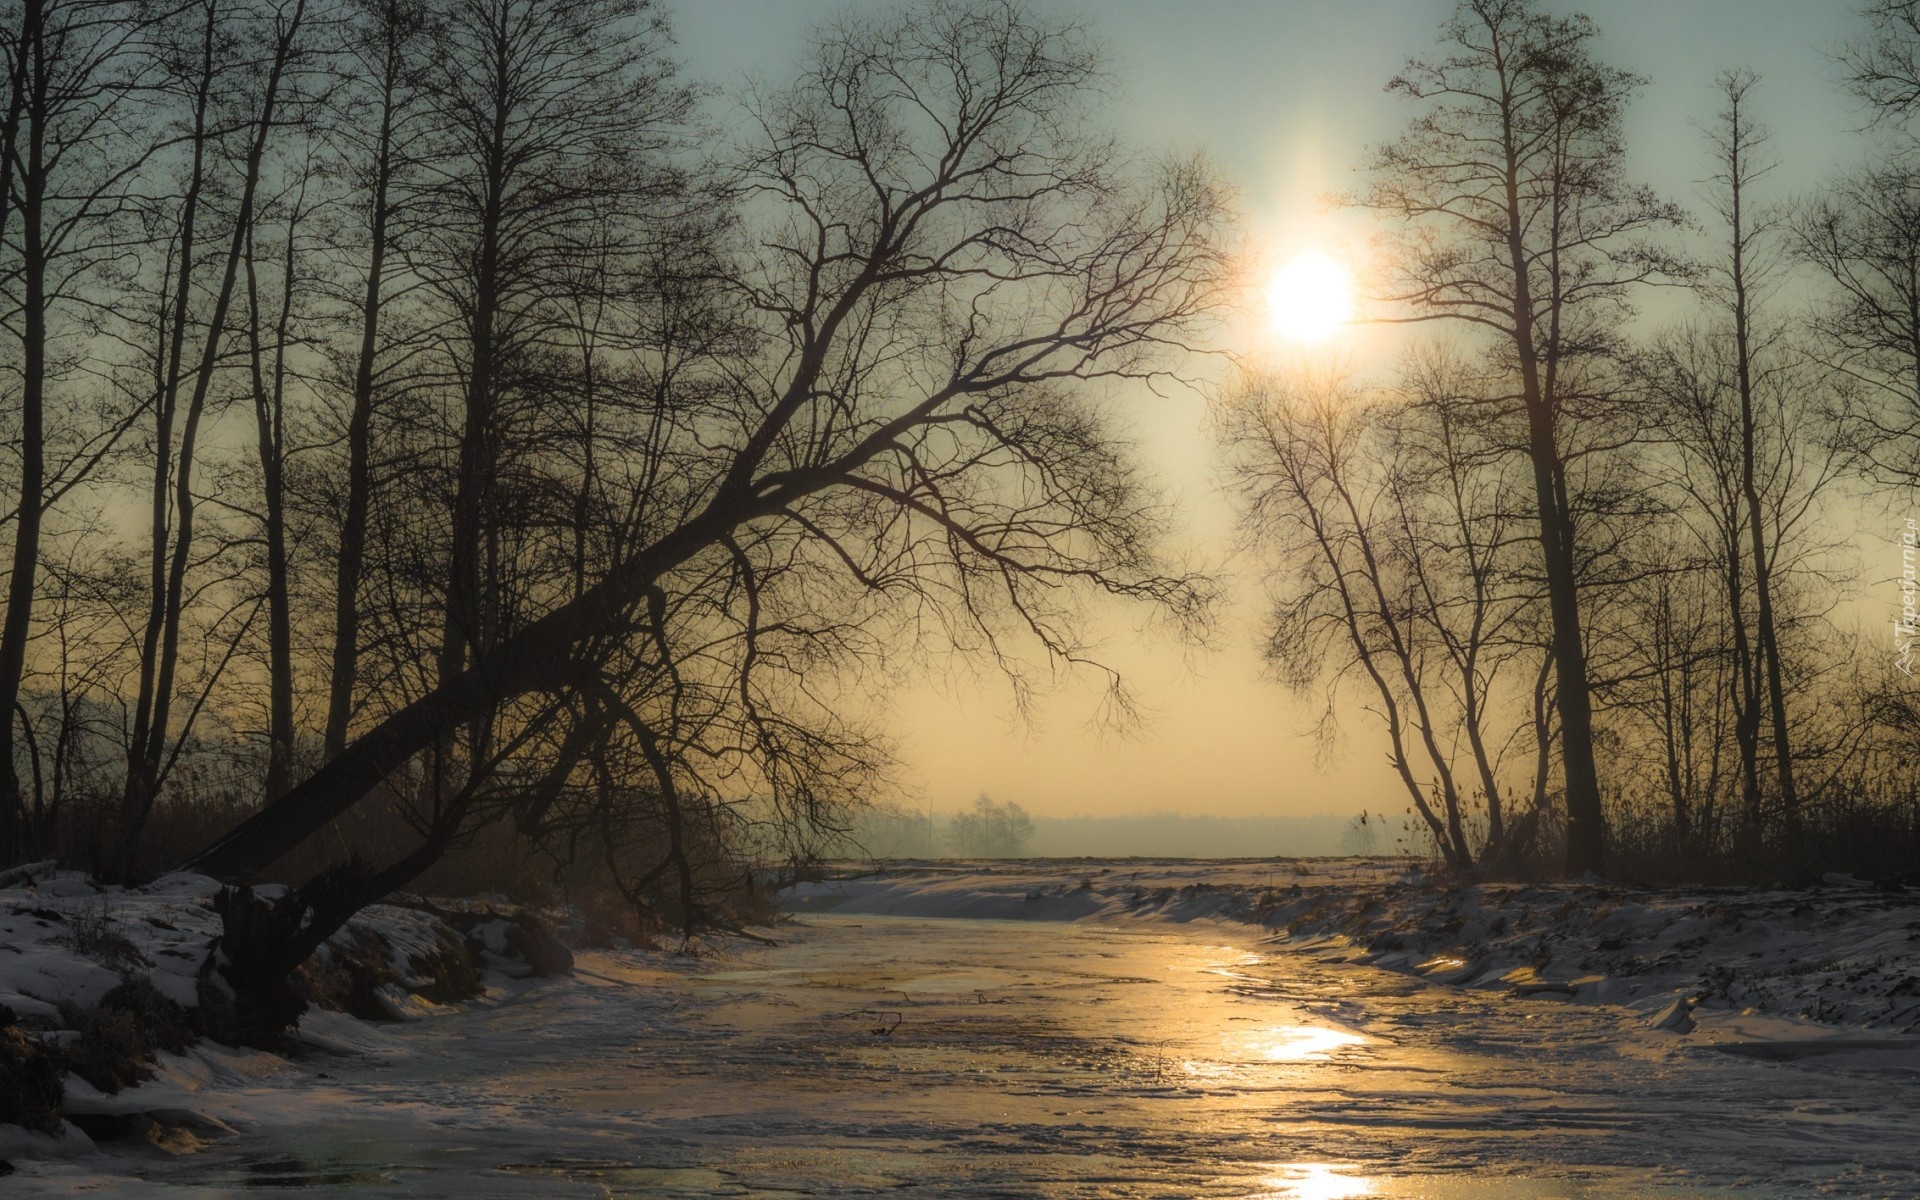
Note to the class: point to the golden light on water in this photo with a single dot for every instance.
(1314, 1181)
(1303, 1043)
(1310, 298)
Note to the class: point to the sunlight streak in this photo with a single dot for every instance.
(1304, 1043)
(1314, 1181)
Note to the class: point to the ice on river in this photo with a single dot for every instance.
(906, 1056)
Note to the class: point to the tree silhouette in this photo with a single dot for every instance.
(1515, 219)
(939, 266)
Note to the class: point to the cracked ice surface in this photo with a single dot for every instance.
(877, 1055)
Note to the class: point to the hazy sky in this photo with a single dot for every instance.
(1284, 95)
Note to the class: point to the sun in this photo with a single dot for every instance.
(1310, 299)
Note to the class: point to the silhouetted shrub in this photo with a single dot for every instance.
(118, 1038)
(30, 1075)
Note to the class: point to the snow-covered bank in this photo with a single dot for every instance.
(1844, 954)
(103, 987)
(1171, 1033)
(1153, 1038)
(901, 1058)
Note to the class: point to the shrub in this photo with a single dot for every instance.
(118, 1038)
(30, 1075)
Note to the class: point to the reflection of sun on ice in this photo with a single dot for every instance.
(1314, 1181)
(1310, 298)
(1304, 1043)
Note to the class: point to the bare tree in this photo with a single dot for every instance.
(1390, 526)
(1686, 691)
(1777, 438)
(184, 391)
(941, 263)
(1736, 140)
(542, 112)
(1517, 220)
(270, 334)
(1461, 528)
(381, 65)
(1300, 453)
(72, 157)
(992, 829)
(1701, 413)
(1864, 236)
(1883, 68)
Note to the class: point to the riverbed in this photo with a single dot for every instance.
(865, 1055)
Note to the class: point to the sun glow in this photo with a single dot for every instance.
(1310, 299)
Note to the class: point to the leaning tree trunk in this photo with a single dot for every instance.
(538, 658)
(263, 941)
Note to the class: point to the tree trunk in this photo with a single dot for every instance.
(351, 563)
(16, 830)
(169, 363)
(1769, 647)
(144, 782)
(1744, 687)
(1586, 821)
(536, 658)
(270, 425)
(466, 620)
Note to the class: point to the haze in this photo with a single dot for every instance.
(1282, 96)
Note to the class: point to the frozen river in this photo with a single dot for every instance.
(908, 1057)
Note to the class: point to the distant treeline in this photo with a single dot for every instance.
(893, 833)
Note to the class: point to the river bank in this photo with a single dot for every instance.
(908, 1011)
(1843, 955)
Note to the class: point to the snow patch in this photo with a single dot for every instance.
(1846, 953)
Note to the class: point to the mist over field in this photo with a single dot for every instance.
(1148, 835)
(1179, 836)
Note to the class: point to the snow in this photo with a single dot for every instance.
(1841, 954)
(65, 943)
(1287, 1031)
(56, 976)
(19, 1144)
(56, 930)
(1110, 1058)
(403, 1005)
